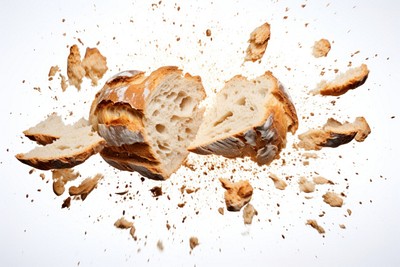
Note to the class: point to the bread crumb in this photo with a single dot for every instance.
(66, 203)
(237, 194)
(349, 212)
(193, 242)
(321, 48)
(208, 32)
(160, 245)
(122, 223)
(308, 155)
(221, 210)
(334, 134)
(258, 42)
(314, 224)
(321, 180)
(64, 84)
(87, 186)
(248, 213)
(351, 79)
(75, 71)
(333, 199)
(279, 183)
(342, 226)
(306, 186)
(95, 65)
(156, 191)
(60, 178)
(53, 70)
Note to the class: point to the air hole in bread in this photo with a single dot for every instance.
(223, 118)
(163, 147)
(160, 128)
(155, 113)
(241, 101)
(186, 104)
(171, 95)
(174, 118)
(62, 147)
(188, 130)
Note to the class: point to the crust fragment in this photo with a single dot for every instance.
(258, 42)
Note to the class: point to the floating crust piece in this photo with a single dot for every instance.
(344, 82)
(333, 199)
(258, 42)
(87, 186)
(73, 144)
(148, 121)
(278, 183)
(75, 71)
(321, 48)
(316, 226)
(95, 64)
(237, 194)
(334, 134)
(250, 118)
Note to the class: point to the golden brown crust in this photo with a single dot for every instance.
(63, 161)
(262, 142)
(41, 139)
(258, 42)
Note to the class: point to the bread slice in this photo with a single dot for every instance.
(51, 129)
(351, 79)
(65, 146)
(148, 121)
(258, 42)
(334, 134)
(250, 118)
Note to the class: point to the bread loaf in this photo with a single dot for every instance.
(148, 121)
(65, 146)
(250, 118)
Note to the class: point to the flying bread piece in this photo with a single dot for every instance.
(321, 48)
(258, 42)
(65, 146)
(334, 134)
(148, 121)
(351, 79)
(250, 118)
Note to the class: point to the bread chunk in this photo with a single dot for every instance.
(321, 48)
(351, 79)
(73, 144)
(334, 134)
(95, 65)
(258, 42)
(148, 121)
(237, 194)
(249, 118)
(75, 71)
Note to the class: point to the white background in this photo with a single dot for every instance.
(35, 231)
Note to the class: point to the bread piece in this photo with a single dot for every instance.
(95, 64)
(51, 129)
(148, 121)
(237, 194)
(250, 118)
(321, 48)
(72, 146)
(75, 71)
(258, 42)
(351, 79)
(334, 134)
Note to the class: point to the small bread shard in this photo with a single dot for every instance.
(95, 65)
(306, 186)
(334, 134)
(351, 79)
(237, 194)
(321, 48)
(61, 177)
(75, 70)
(316, 226)
(65, 146)
(87, 186)
(248, 213)
(333, 199)
(258, 42)
(250, 118)
(278, 183)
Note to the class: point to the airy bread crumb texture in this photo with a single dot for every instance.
(333, 199)
(237, 194)
(248, 213)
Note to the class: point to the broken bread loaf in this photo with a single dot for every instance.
(250, 118)
(334, 134)
(148, 121)
(65, 146)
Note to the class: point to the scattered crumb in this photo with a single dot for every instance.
(279, 183)
(342, 226)
(314, 224)
(160, 245)
(306, 186)
(95, 64)
(66, 203)
(221, 210)
(64, 84)
(321, 180)
(193, 242)
(308, 155)
(53, 70)
(122, 223)
(349, 212)
(85, 187)
(248, 213)
(208, 32)
(258, 43)
(156, 191)
(60, 178)
(321, 48)
(333, 199)
(75, 71)
(237, 194)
